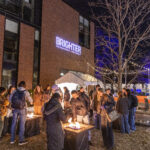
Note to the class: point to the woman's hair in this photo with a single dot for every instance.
(2, 89)
(105, 98)
(47, 87)
(65, 88)
(120, 94)
(35, 90)
(10, 88)
(56, 96)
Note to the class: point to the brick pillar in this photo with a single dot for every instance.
(2, 28)
(26, 53)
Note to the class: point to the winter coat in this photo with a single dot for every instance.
(3, 106)
(104, 108)
(78, 108)
(66, 96)
(133, 101)
(85, 99)
(123, 105)
(53, 115)
(38, 99)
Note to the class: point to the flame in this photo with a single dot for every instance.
(30, 115)
(70, 120)
(75, 125)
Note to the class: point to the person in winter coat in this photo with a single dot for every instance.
(97, 99)
(47, 93)
(105, 106)
(3, 109)
(38, 100)
(66, 97)
(133, 104)
(53, 114)
(123, 108)
(6, 129)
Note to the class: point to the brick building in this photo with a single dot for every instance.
(42, 40)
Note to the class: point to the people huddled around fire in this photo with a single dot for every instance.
(56, 106)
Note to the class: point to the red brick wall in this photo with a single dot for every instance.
(59, 19)
(26, 51)
(2, 25)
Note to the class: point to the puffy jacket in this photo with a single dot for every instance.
(85, 99)
(3, 105)
(123, 105)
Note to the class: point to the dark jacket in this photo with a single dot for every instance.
(133, 101)
(85, 99)
(123, 105)
(66, 96)
(53, 115)
(78, 108)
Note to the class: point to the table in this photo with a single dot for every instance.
(76, 139)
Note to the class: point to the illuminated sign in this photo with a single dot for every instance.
(68, 46)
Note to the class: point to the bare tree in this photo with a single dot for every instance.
(122, 38)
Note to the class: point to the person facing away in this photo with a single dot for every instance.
(53, 114)
(3, 109)
(18, 103)
(123, 108)
(38, 100)
(132, 110)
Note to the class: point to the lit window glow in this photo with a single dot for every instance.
(68, 46)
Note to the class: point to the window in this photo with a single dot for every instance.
(27, 10)
(13, 6)
(84, 32)
(10, 55)
(36, 63)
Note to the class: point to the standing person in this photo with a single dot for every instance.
(97, 99)
(91, 102)
(104, 108)
(38, 100)
(53, 114)
(79, 110)
(47, 93)
(3, 109)
(133, 104)
(66, 97)
(6, 129)
(18, 102)
(123, 108)
(110, 95)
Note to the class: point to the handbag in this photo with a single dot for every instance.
(112, 116)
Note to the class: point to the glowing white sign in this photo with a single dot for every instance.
(68, 46)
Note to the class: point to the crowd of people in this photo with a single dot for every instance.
(57, 106)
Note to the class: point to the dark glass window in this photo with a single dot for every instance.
(36, 63)
(13, 6)
(28, 10)
(10, 55)
(84, 32)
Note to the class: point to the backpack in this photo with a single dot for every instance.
(18, 100)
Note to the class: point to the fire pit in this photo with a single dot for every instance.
(76, 136)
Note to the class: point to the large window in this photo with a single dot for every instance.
(84, 32)
(27, 10)
(10, 55)
(36, 63)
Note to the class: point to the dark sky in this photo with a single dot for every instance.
(80, 5)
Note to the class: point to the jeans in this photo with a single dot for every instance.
(97, 121)
(108, 136)
(125, 128)
(85, 120)
(1, 125)
(22, 117)
(132, 118)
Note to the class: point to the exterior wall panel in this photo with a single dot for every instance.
(26, 51)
